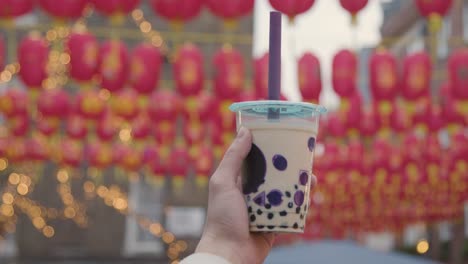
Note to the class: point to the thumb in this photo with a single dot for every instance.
(230, 167)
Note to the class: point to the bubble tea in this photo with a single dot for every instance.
(277, 171)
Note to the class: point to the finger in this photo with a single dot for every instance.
(230, 167)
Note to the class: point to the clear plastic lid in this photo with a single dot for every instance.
(282, 108)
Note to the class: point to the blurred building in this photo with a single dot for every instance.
(110, 234)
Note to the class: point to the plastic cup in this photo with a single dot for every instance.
(276, 173)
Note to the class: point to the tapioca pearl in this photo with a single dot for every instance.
(303, 177)
(298, 210)
(290, 205)
(299, 198)
(280, 162)
(283, 213)
(284, 226)
(259, 212)
(271, 227)
(296, 187)
(301, 216)
(248, 198)
(270, 215)
(253, 170)
(249, 209)
(311, 144)
(260, 226)
(268, 206)
(295, 226)
(252, 218)
(275, 197)
(260, 199)
(288, 194)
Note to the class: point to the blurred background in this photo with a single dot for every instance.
(113, 115)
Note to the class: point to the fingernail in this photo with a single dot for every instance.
(241, 132)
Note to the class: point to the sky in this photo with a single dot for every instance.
(323, 30)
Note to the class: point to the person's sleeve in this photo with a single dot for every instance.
(204, 258)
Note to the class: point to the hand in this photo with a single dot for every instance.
(226, 232)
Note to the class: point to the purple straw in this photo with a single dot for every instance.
(274, 61)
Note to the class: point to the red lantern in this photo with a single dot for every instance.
(400, 120)
(383, 75)
(16, 151)
(90, 104)
(15, 8)
(356, 155)
(84, 57)
(336, 126)
(433, 7)
(131, 159)
(115, 7)
(230, 10)
(193, 134)
(32, 57)
(47, 126)
(53, 103)
(458, 72)
(292, 8)
(381, 150)
(14, 102)
(99, 155)
(436, 120)
(37, 149)
(177, 11)
(344, 73)
(203, 165)
(125, 104)
(145, 68)
(248, 95)
(68, 9)
(141, 127)
(310, 81)
(113, 65)
(71, 152)
(188, 70)
(224, 118)
(353, 6)
(421, 114)
(350, 114)
(416, 76)
(164, 106)
(76, 127)
(261, 76)
(368, 122)
(158, 165)
(229, 75)
(107, 127)
(165, 133)
(179, 161)
(19, 125)
(200, 107)
(453, 118)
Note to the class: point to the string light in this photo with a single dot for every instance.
(147, 30)
(125, 134)
(48, 231)
(114, 197)
(422, 246)
(10, 70)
